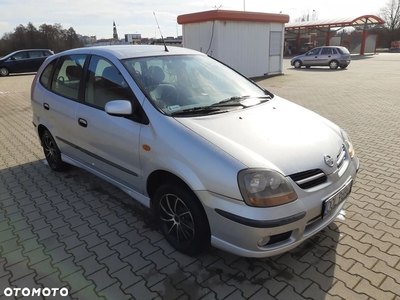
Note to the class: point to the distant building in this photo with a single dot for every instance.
(133, 38)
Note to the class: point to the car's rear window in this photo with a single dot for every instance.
(343, 51)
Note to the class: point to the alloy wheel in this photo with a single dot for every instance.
(177, 219)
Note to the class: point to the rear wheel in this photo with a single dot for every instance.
(4, 71)
(52, 153)
(334, 64)
(297, 64)
(181, 218)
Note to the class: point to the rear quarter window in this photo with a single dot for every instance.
(343, 51)
(45, 78)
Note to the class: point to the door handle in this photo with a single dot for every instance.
(46, 106)
(329, 56)
(316, 57)
(82, 122)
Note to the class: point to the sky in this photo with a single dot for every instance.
(95, 17)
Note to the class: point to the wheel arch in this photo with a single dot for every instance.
(160, 177)
(41, 129)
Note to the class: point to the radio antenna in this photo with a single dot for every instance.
(162, 38)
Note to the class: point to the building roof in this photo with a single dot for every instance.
(338, 22)
(231, 15)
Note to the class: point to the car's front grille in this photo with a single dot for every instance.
(309, 179)
(341, 157)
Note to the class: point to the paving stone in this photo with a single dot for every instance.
(36, 256)
(90, 265)
(272, 285)
(113, 263)
(220, 288)
(365, 287)
(136, 261)
(247, 288)
(115, 292)
(199, 271)
(87, 293)
(126, 277)
(102, 251)
(102, 279)
(151, 275)
(77, 281)
(262, 294)
(66, 267)
(19, 270)
(302, 283)
(167, 291)
(174, 273)
(80, 253)
(289, 293)
(140, 291)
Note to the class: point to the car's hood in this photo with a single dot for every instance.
(278, 134)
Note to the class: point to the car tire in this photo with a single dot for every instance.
(297, 64)
(343, 67)
(181, 218)
(4, 72)
(52, 153)
(333, 64)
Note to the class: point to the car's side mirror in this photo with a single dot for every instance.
(119, 108)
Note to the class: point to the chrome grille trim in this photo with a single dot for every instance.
(309, 179)
(341, 157)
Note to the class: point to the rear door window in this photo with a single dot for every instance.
(36, 54)
(68, 76)
(326, 51)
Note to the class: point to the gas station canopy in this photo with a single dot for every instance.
(338, 22)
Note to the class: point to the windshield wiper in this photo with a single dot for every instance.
(199, 110)
(232, 100)
(244, 101)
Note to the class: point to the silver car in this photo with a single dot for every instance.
(221, 160)
(332, 56)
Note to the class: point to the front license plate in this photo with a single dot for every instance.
(331, 203)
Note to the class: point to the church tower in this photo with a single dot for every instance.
(115, 34)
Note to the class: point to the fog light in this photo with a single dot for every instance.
(263, 241)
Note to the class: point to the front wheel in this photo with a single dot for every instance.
(297, 64)
(334, 64)
(52, 153)
(4, 72)
(181, 218)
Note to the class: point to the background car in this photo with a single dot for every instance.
(332, 56)
(22, 61)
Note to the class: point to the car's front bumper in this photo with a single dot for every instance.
(238, 228)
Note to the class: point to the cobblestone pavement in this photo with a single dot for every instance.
(76, 231)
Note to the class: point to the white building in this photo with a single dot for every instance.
(134, 37)
(249, 42)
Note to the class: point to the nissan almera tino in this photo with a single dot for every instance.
(221, 160)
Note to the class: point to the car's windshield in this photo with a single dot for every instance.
(190, 83)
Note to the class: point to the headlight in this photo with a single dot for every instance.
(265, 188)
(348, 143)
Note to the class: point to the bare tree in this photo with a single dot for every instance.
(390, 13)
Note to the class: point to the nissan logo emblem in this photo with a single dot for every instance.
(329, 160)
